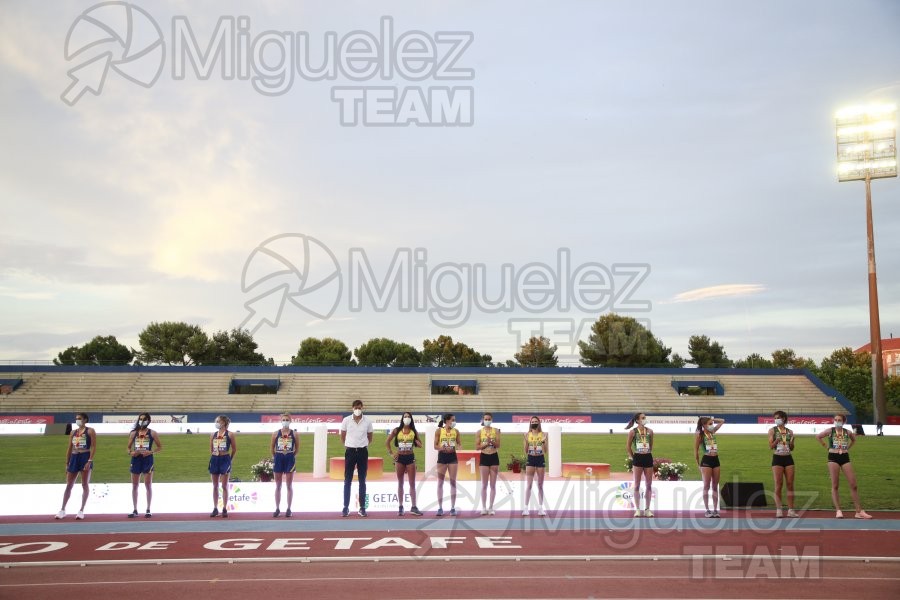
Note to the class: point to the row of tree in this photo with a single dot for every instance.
(615, 341)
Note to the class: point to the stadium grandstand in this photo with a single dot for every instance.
(246, 393)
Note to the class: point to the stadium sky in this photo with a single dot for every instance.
(693, 137)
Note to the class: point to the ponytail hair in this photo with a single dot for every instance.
(446, 417)
(701, 422)
(633, 421)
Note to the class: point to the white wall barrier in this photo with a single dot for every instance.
(327, 496)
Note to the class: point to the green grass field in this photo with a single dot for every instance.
(40, 459)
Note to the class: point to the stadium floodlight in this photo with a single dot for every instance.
(867, 150)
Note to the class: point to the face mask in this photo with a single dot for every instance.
(407, 420)
(451, 424)
(487, 422)
(535, 425)
(219, 426)
(357, 412)
(642, 422)
(79, 423)
(709, 426)
(143, 422)
(836, 424)
(285, 423)
(779, 422)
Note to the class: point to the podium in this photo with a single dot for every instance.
(336, 468)
(585, 470)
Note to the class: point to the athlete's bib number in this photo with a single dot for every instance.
(142, 443)
(839, 444)
(450, 444)
(79, 442)
(284, 444)
(642, 447)
(405, 446)
(535, 450)
(782, 449)
(220, 444)
(712, 448)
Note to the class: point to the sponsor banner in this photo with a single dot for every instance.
(801, 420)
(26, 420)
(327, 496)
(672, 420)
(155, 418)
(893, 420)
(553, 418)
(303, 418)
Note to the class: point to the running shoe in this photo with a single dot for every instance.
(362, 512)
(277, 513)
(440, 512)
(133, 514)
(862, 515)
(214, 513)
(839, 515)
(80, 515)
(709, 514)
(778, 513)
(637, 513)
(288, 514)
(525, 513)
(543, 513)
(792, 513)
(415, 511)
(716, 515)
(400, 512)
(492, 512)
(648, 513)
(148, 515)
(453, 512)
(484, 512)
(224, 513)
(345, 512)
(61, 514)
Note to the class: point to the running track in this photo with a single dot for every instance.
(565, 555)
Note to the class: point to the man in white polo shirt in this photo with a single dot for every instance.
(356, 435)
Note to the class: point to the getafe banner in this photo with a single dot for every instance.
(327, 496)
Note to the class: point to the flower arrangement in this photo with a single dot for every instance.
(672, 471)
(629, 464)
(515, 464)
(263, 470)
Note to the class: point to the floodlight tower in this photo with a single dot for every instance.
(867, 150)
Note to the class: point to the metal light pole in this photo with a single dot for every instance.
(867, 150)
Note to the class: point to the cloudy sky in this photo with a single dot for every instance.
(689, 142)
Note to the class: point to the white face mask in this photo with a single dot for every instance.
(779, 422)
(642, 422)
(451, 424)
(285, 423)
(357, 412)
(79, 423)
(143, 423)
(487, 422)
(407, 420)
(710, 425)
(838, 423)
(219, 426)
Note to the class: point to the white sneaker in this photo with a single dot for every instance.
(483, 512)
(638, 513)
(525, 513)
(542, 513)
(61, 514)
(648, 513)
(80, 515)
(492, 512)
(792, 513)
(778, 513)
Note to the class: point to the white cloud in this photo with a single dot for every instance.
(718, 291)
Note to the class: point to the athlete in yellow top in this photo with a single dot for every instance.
(535, 441)
(446, 441)
(405, 439)
(487, 439)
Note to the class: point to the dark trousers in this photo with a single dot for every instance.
(355, 458)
